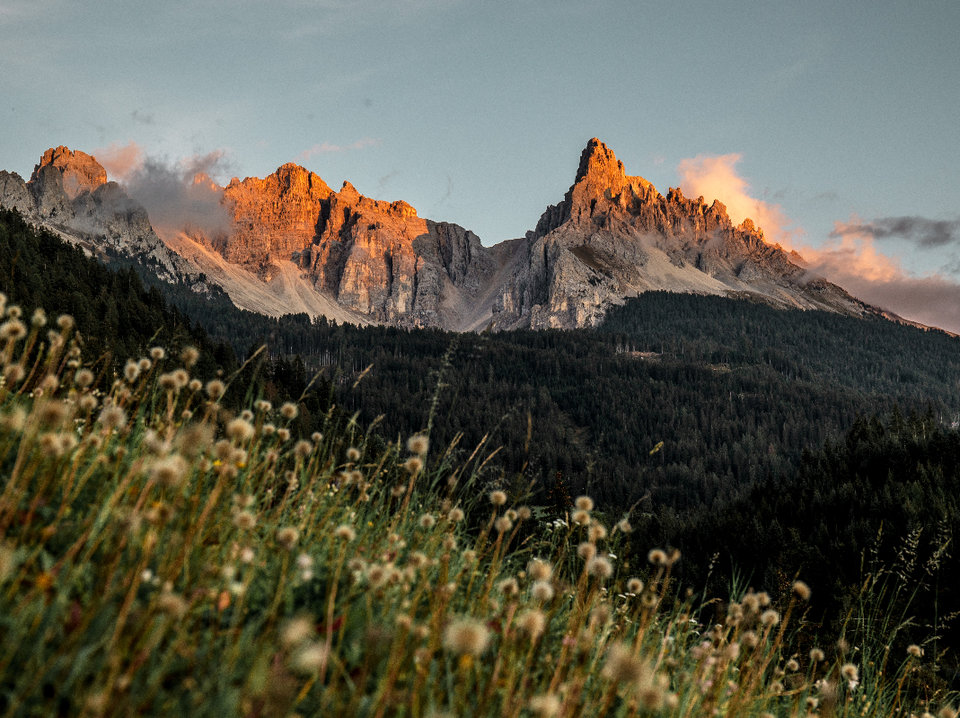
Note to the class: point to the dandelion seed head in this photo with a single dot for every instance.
(288, 536)
(427, 521)
(215, 389)
(345, 532)
(817, 655)
(455, 514)
(769, 618)
(533, 622)
(503, 524)
(289, 411)
(542, 591)
(498, 498)
(600, 567)
(540, 570)
(583, 503)
(801, 590)
(580, 517)
(635, 586)
(587, 550)
(418, 444)
(850, 672)
(466, 636)
(413, 465)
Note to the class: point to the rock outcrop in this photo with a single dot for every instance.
(68, 194)
(614, 236)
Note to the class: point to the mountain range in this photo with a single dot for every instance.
(291, 244)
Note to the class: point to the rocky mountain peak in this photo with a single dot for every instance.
(81, 172)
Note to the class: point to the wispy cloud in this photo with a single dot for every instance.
(324, 148)
(850, 257)
(716, 177)
(178, 195)
(924, 232)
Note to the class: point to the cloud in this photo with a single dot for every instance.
(328, 148)
(924, 232)
(120, 161)
(715, 177)
(178, 195)
(850, 257)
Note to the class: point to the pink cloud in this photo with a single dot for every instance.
(329, 148)
(120, 161)
(849, 258)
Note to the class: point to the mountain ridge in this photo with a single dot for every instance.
(349, 257)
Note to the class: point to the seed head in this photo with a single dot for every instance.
(427, 521)
(581, 517)
(801, 590)
(466, 636)
(850, 672)
(509, 587)
(545, 705)
(189, 356)
(345, 532)
(418, 444)
(310, 658)
(914, 650)
(288, 536)
(540, 570)
(503, 524)
(586, 550)
(296, 630)
(817, 655)
(498, 498)
(289, 411)
(413, 465)
(600, 567)
(769, 618)
(621, 666)
(170, 470)
(635, 586)
(584, 503)
(541, 591)
(157, 353)
(624, 526)
(83, 378)
(455, 514)
(215, 389)
(533, 622)
(240, 430)
(244, 520)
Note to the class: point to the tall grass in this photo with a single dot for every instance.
(161, 555)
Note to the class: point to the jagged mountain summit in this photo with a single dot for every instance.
(68, 194)
(293, 244)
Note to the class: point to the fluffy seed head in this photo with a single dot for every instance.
(289, 411)
(466, 636)
(621, 666)
(455, 514)
(586, 550)
(801, 590)
(215, 389)
(914, 650)
(296, 630)
(600, 567)
(850, 672)
(345, 532)
(288, 536)
(427, 521)
(541, 591)
(413, 465)
(498, 498)
(533, 622)
(634, 585)
(584, 503)
(545, 705)
(540, 570)
(817, 655)
(503, 524)
(418, 444)
(769, 618)
(310, 658)
(170, 470)
(581, 517)
(658, 557)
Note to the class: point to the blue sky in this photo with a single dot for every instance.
(475, 112)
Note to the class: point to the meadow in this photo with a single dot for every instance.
(171, 546)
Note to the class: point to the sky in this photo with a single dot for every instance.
(833, 125)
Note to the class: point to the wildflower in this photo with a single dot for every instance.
(801, 590)
(12, 329)
(247, 555)
(304, 562)
(413, 465)
(157, 353)
(189, 356)
(240, 430)
(600, 567)
(169, 471)
(288, 536)
(598, 532)
(503, 524)
(466, 636)
(244, 520)
(624, 526)
(498, 498)
(144, 364)
(455, 514)
(427, 521)
(770, 618)
(621, 666)
(65, 322)
(545, 705)
(469, 555)
(634, 586)
(817, 655)
(83, 378)
(113, 417)
(540, 570)
(731, 651)
(586, 550)
(850, 672)
(14, 373)
(131, 371)
(658, 557)
(345, 532)
(584, 503)
(310, 658)
(171, 603)
(303, 448)
(792, 665)
(215, 389)
(289, 411)
(524, 513)
(533, 622)
(581, 517)
(541, 591)
(418, 444)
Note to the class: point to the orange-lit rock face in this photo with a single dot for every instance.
(272, 217)
(80, 172)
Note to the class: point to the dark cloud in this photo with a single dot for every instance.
(925, 232)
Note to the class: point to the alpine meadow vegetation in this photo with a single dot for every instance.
(165, 552)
